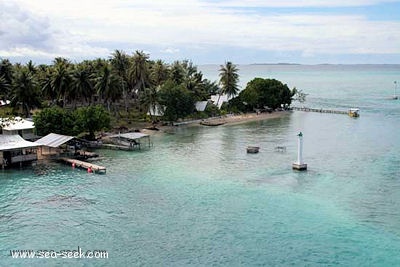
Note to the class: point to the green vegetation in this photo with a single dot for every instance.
(92, 95)
(263, 94)
(55, 120)
(299, 95)
(229, 79)
(178, 101)
(84, 119)
(91, 119)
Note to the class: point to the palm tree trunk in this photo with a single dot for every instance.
(124, 95)
(219, 96)
(26, 110)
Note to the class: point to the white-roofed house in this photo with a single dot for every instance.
(51, 145)
(201, 105)
(12, 126)
(15, 150)
(218, 100)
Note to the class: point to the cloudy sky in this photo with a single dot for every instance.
(204, 31)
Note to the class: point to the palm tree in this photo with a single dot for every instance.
(177, 72)
(192, 78)
(45, 81)
(150, 100)
(189, 68)
(82, 85)
(6, 78)
(6, 70)
(61, 61)
(25, 91)
(139, 72)
(229, 79)
(159, 73)
(108, 86)
(4, 87)
(61, 79)
(31, 67)
(211, 88)
(120, 63)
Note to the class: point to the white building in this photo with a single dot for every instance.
(19, 126)
(14, 149)
(201, 105)
(218, 100)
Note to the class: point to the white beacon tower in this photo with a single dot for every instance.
(300, 165)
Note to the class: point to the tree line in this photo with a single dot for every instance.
(127, 87)
(121, 83)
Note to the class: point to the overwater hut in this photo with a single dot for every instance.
(130, 141)
(54, 145)
(15, 150)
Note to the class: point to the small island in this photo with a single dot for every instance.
(95, 99)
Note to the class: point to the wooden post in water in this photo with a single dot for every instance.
(299, 165)
(395, 97)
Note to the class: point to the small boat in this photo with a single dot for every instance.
(354, 112)
(280, 148)
(253, 149)
(212, 123)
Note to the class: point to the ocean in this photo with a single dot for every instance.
(196, 198)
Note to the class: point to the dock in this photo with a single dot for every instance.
(118, 147)
(84, 165)
(127, 141)
(320, 110)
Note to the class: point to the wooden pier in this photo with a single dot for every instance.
(119, 147)
(85, 165)
(320, 110)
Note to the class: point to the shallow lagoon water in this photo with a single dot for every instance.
(197, 198)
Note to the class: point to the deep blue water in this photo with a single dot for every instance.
(197, 198)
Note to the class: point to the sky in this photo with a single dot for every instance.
(203, 31)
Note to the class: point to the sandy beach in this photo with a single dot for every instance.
(242, 118)
(223, 120)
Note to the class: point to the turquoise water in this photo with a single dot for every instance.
(197, 197)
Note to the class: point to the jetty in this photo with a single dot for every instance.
(118, 147)
(127, 141)
(85, 165)
(320, 110)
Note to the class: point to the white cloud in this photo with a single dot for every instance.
(300, 3)
(86, 28)
(170, 50)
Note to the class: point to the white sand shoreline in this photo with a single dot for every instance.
(225, 120)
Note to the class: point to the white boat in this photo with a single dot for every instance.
(354, 112)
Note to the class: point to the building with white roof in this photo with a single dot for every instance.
(19, 126)
(14, 149)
